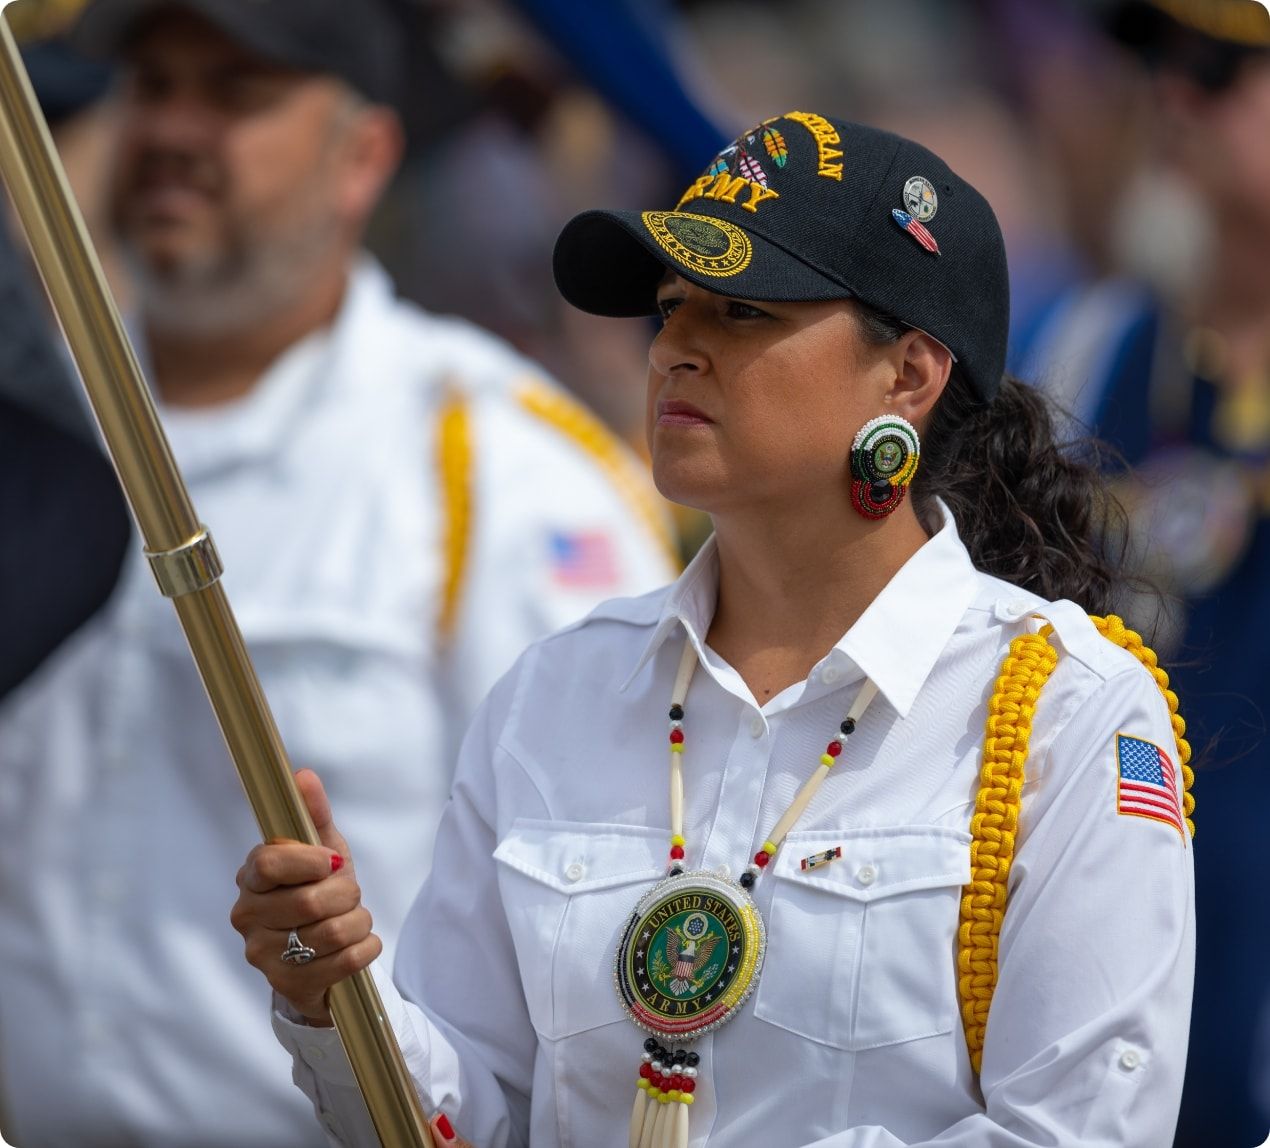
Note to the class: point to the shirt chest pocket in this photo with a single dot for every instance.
(861, 950)
(567, 890)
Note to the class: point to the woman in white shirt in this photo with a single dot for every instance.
(888, 719)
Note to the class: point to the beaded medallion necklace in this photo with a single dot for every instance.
(692, 950)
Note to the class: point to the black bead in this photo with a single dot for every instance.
(650, 1045)
(676, 713)
(676, 870)
(692, 1060)
(747, 880)
(680, 1056)
(848, 726)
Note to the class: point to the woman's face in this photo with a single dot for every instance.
(755, 405)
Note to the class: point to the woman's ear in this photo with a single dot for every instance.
(924, 365)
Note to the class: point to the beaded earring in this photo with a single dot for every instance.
(883, 461)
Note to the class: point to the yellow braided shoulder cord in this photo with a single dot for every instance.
(1025, 670)
(581, 427)
(454, 466)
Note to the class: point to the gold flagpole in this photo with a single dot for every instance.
(180, 551)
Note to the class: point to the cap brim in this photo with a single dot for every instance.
(611, 262)
(106, 29)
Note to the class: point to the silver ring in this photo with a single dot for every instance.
(297, 952)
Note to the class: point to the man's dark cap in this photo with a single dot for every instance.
(803, 208)
(65, 81)
(1206, 40)
(360, 42)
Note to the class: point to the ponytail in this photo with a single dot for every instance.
(1031, 509)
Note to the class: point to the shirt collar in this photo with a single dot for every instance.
(895, 642)
(254, 427)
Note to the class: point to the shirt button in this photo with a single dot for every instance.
(830, 674)
(866, 874)
(575, 872)
(1129, 1060)
(757, 727)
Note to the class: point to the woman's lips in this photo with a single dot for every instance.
(674, 412)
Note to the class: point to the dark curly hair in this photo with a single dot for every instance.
(1031, 508)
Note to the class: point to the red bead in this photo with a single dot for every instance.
(676, 852)
(689, 1085)
(646, 1070)
(761, 859)
(833, 748)
(676, 736)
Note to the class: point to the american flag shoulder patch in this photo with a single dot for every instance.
(583, 560)
(1146, 783)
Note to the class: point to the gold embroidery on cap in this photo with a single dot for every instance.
(825, 134)
(707, 246)
(725, 188)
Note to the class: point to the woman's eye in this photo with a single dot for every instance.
(666, 306)
(739, 310)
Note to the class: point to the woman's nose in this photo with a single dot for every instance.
(677, 347)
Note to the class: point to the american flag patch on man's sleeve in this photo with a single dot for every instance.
(583, 560)
(1146, 782)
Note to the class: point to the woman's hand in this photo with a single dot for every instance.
(308, 890)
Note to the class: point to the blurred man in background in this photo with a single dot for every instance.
(402, 503)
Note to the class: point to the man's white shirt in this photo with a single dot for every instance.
(127, 1012)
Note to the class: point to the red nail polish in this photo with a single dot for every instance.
(337, 862)
(444, 1126)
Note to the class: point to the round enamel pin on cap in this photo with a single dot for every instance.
(920, 200)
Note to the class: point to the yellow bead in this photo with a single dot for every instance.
(642, 1083)
(769, 848)
(673, 1094)
(825, 759)
(677, 839)
(662, 1098)
(676, 747)
(686, 1098)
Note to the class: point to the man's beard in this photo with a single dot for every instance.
(245, 283)
(251, 273)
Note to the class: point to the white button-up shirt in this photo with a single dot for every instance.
(559, 823)
(121, 819)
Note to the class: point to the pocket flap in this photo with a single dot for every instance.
(575, 857)
(878, 863)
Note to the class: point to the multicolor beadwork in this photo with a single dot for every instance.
(884, 458)
(692, 950)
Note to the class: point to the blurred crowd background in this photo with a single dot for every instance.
(1126, 150)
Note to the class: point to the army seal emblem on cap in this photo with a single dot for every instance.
(707, 246)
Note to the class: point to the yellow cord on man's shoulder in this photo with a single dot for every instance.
(994, 825)
(454, 454)
(580, 426)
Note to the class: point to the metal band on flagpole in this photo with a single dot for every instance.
(181, 552)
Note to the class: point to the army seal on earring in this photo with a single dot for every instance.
(883, 460)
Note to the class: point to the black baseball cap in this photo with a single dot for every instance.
(803, 208)
(360, 42)
(1208, 42)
